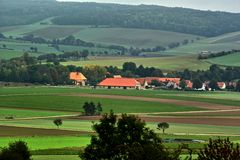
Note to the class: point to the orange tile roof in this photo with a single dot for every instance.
(77, 76)
(150, 79)
(119, 82)
(141, 80)
(189, 84)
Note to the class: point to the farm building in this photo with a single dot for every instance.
(78, 78)
(148, 80)
(120, 83)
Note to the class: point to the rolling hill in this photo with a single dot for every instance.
(142, 38)
(204, 23)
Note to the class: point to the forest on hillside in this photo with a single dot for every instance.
(204, 23)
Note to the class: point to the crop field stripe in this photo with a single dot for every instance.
(19, 131)
(49, 142)
(75, 103)
(171, 101)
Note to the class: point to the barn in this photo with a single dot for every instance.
(125, 83)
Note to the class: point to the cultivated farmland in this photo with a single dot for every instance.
(33, 109)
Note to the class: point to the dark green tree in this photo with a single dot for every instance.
(163, 126)
(220, 150)
(16, 151)
(125, 138)
(182, 84)
(89, 109)
(129, 66)
(85, 54)
(197, 83)
(99, 108)
(213, 84)
(58, 122)
(238, 86)
(156, 83)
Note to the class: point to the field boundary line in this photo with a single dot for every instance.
(184, 112)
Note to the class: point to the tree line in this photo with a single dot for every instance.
(65, 56)
(217, 54)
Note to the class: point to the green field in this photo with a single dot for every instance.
(75, 103)
(228, 60)
(132, 37)
(8, 54)
(23, 113)
(226, 38)
(203, 45)
(37, 143)
(56, 157)
(20, 47)
(164, 63)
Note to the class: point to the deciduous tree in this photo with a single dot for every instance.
(163, 126)
(58, 122)
(126, 138)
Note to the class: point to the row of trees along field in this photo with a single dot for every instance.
(217, 54)
(128, 138)
(29, 69)
(205, 23)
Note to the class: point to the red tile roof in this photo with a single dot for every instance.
(119, 82)
(77, 76)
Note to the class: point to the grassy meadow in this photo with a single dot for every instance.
(228, 60)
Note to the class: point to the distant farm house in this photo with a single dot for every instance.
(78, 78)
(221, 85)
(147, 81)
(124, 83)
